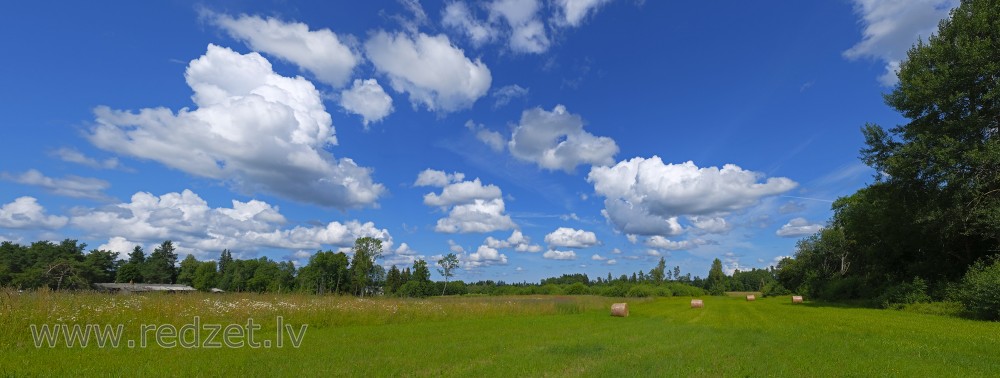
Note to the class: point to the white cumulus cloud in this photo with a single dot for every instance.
(711, 225)
(573, 12)
(26, 213)
(556, 140)
(119, 244)
(644, 196)
(798, 227)
(657, 241)
(526, 30)
(252, 127)
(458, 16)
(321, 52)
(474, 207)
(430, 69)
(891, 27)
(559, 255)
(571, 238)
(431, 177)
(462, 193)
(367, 99)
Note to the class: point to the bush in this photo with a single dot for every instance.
(897, 297)
(639, 291)
(843, 288)
(773, 289)
(577, 289)
(979, 291)
(617, 290)
(684, 290)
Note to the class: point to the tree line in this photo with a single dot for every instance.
(928, 227)
(66, 266)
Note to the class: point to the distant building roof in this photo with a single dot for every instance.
(141, 287)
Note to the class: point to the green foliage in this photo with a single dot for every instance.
(900, 295)
(205, 276)
(716, 278)
(185, 275)
(448, 264)
(577, 288)
(774, 289)
(363, 267)
(979, 290)
(159, 267)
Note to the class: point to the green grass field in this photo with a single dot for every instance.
(506, 336)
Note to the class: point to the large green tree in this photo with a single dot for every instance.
(943, 166)
(363, 264)
(160, 266)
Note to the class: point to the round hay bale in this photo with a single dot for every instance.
(796, 299)
(619, 309)
(751, 298)
(697, 303)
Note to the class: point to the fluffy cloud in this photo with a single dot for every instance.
(478, 216)
(491, 138)
(711, 225)
(644, 196)
(462, 193)
(188, 220)
(571, 238)
(798, 227)
(119, 244)
(556, 140)
(527, 32)
(458, 16)
(367, 99)
(597, 257)
(573, 12)
(485, 256)
(474, 207)
(891, 27)
(503, 95)
(69, 186)
(321, 52)
(256, 129)
(74, 156)
(430, 69)
(517, 241)
(660, 242)
(559, 255)
(431, 177)
(26, 213)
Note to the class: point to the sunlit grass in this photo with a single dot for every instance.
(513, 336)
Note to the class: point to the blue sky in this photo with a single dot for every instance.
(532, 138)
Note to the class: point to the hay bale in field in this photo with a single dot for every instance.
(751, 298)
(697, 303)
(796, 299)
(619, 309)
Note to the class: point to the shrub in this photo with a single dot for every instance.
(979, 291)
(617, 290)
(639, 291)
(577, 288)
(899, 296)
(843, 288)
(773, 289)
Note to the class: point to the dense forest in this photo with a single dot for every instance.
(928, 227)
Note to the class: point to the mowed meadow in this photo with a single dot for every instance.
(503, 336)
